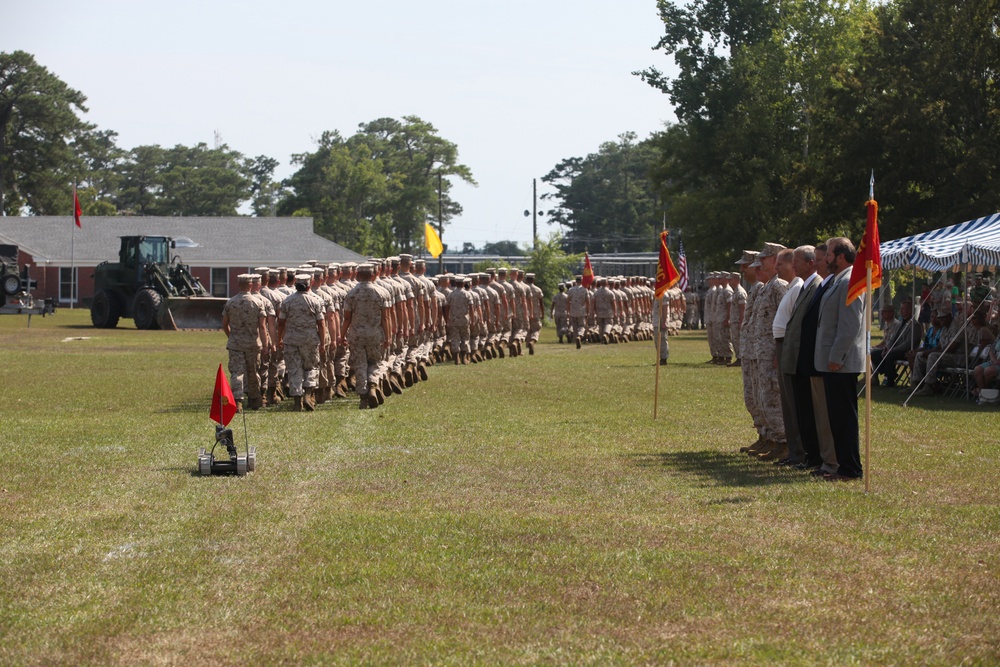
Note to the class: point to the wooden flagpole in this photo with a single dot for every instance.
(868, 375)
(656, 386)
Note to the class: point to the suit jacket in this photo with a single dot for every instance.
(840, 332)
(793, 330)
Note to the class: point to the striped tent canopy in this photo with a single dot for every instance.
(974, 242)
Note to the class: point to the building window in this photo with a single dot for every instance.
(67, 284)
(220, 282)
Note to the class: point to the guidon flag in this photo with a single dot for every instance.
(588, 271)
(868, 251)
(666, 273)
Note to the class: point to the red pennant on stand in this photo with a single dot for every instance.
(223, 404)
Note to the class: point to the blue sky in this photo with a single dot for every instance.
(516, 85)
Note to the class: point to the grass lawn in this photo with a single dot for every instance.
(519, 511)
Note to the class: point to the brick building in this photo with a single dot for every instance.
(61, 258)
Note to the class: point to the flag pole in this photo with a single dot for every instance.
(72, 253)
(868, 374)
(659, 318)
(656, 384)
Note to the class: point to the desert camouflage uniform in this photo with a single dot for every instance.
(365, 302)
(766, 384)
(301, 311)
(459, 304)
(738, 299)
(245, 312)
(748, 358)
(578, 298)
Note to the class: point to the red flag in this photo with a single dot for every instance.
(77, 212)
(868, 251)
(223, 404)
(666, 273)
(588, 271)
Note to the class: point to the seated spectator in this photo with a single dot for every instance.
(899, 340)
(955, 343)
(940, 323)
(986, 372)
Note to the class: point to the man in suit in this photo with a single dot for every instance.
(803, 449)
(840, 357)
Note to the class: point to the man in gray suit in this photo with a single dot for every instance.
(840, 357)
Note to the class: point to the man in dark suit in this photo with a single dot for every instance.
(840, 356)
(803, 451)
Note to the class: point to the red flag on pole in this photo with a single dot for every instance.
(588, 271)
(77, 212)
(666, 273)
(223, 404)
(868, 251)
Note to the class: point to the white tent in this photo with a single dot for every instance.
(975, 242)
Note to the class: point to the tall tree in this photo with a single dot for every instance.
(38, 122)
(607, 199)
(751, 73)
(373, 191)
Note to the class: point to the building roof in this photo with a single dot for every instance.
(220, 242)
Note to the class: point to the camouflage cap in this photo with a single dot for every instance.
(365, 270)
(262, 269)
(244, 278)
(770, 250)
(403, 256)
(303, 278)
(748, 257)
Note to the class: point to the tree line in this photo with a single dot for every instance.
(784, 108)
(371, 191)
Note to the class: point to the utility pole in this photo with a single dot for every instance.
(534, 214)
(440, 226)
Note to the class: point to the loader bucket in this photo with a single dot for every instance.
(192, 312)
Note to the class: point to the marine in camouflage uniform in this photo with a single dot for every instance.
(458, 313)
(257, 287)
(737, 308)
(749, 265)
(606, 309)
(301, 329)
(766, 387)
(244, 322)
(578, 300)
(559, 313)
(366, 332)
(536, 310)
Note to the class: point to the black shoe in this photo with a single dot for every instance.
(819, 472)
(578, 343)
(663, 362)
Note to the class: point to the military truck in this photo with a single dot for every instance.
(152, 289)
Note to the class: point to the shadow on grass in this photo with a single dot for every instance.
(892, 396)
(718, 468)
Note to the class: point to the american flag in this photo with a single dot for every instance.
(682, 268)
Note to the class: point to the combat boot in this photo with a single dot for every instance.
(308, 401)
(340, 390)
(763, 444)
(385, 387)
(297, 406)
(407, 378)
(560, 339)
(372, 398)
(395, 386)
(500, 352)
(746, 448)
(778, 452)
(256, 403)
(379, 397)
(531, 347)
(578, 344)
(279, 394)
(321, 395)
(422, 371)
(364, 403)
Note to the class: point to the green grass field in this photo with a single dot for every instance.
(520, 511)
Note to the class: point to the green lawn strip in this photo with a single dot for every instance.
(517, 511)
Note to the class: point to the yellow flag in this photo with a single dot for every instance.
(434, 246)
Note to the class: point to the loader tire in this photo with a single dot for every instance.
(145, 309)
(105, 310)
